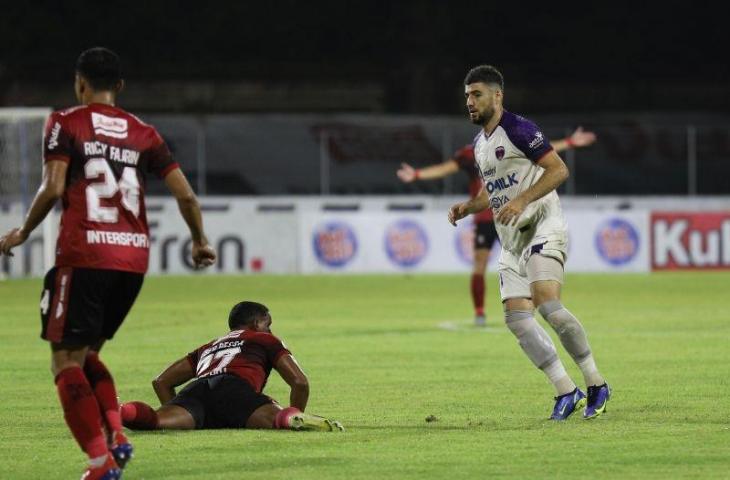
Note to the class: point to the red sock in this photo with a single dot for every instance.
(102, 384)
(477, 292)
(139, 416)
(283, 417)
(81, 411)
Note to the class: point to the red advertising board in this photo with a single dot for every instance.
(690, 240)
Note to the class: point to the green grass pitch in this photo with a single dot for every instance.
(378, 361)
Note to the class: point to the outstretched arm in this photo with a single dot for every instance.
(173, 376)
(578, 139)
(187, 202)
(408, 174)
(293, 375)
(555, 173)
(51, 189)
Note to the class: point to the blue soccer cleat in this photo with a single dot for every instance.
(566, 404)
(109, 471)
(597, 399)
(123, 453)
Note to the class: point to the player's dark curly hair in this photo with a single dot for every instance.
(485, 74)
(244, 314)
(100, 67)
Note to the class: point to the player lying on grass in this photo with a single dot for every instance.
(230, 374)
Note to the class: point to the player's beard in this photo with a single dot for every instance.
(483, 118)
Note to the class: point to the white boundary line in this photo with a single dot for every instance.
(467, 326)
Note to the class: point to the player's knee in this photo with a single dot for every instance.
(59, 365)
(514, 304)
(481, 258)
(533, 340)
(545, 291)
(551, 312)
(95, 369)
(519, 322)
(558, 316)
(549, 307)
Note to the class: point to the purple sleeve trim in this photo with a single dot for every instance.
(526, 136)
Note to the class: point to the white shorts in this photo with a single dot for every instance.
(514, 276)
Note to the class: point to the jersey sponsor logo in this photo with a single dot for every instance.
(335, 244)
(499, 184)
(497, 202)
(537, 141)
(53, 138)
(499, 152)
(109, 126)
(124, 239)
(690, 241)
(489, 172)
(406, 243)
(617, 241)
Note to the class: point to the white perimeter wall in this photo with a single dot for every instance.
(411, 234)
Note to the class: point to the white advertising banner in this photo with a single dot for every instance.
(27, 259)
(426, 242)
(247, 240)
(608, 241)
(251, 239)
(387, 242)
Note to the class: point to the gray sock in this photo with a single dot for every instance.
(534, 340)
(539, 348)
(573, 337)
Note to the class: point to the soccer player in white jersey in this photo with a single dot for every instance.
(521, 171)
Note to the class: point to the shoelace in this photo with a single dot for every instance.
(593, 393)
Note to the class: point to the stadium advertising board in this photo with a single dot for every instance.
(27, 259)
(251, 240)
(690, 241)
(360, 242)
(608, 241)
(425, 242)
(247, 241)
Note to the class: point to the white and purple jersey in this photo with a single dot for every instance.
(507, 161)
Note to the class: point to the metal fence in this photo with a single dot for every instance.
(359, 154)
(272, 155)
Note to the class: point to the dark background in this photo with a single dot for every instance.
(375, 56)
(241, 90)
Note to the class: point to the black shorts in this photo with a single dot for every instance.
(485, 234)
(221, 401)
(80, 306)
